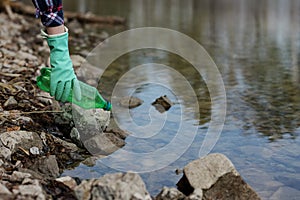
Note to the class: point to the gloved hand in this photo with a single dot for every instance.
(63, 77)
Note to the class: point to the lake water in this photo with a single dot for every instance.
(256, 47)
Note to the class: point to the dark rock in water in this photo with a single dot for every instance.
(117, 186)
(216, 176)
(130, 102)
(162, 104)
(229, 187)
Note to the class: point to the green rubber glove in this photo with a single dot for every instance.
(63, 77)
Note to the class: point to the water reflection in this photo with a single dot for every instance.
(256, 45)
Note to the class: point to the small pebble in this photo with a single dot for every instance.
(34, 151)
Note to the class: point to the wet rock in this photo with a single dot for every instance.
(170, 194)
(103, 144)
(230, 186)
(162, 104)
(209, 168)
(91, 161)
(130, 102)
(114, 186)
(46, 165)
(14, 139)
(94, 120)
(10, 103)
(89, 124)
(68, 181)
(216, 176)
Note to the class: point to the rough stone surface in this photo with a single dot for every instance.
(103, 144)
(68, 181)
(46, 165)
(95, 119)
(117, 186)
(216, 176)
(228, 187)
(170, 194)
(13, 139)
(205, 172)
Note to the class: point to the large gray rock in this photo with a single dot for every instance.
(117, 186)
(68, 181)
(12, 140)
(217, 177)
(94, 120)
(89, 131)
(103, 144)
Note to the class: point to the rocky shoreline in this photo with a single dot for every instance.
(38, 138)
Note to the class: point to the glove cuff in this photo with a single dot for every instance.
(45, 35)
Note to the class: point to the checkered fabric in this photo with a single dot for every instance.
(50, 11)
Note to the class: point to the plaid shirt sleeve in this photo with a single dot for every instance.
(50, 11)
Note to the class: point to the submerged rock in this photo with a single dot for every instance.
(162, 104)
(114, 186)
(216, 176)
(130, 102)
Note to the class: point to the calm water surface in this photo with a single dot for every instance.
(256, 46)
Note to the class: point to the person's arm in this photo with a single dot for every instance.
(63, 78)
(55, 30)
